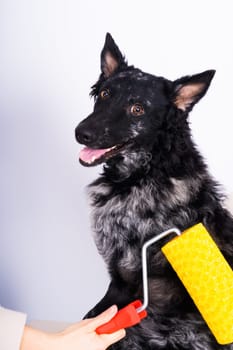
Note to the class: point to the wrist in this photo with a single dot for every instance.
(35, 339)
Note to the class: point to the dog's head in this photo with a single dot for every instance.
(134, 111)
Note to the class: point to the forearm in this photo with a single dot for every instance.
(14, 335)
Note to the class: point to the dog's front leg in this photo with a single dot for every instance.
(115, 295)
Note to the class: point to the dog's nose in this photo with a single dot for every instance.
(83, 135)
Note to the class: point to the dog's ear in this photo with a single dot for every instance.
(111, 57)
(190, 89)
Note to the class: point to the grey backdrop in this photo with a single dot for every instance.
(49, 58)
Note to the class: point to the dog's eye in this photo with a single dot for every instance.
(137, 110)
(104, 94)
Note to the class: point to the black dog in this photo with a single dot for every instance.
(154, 179)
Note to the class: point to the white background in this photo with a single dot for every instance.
(49, 58)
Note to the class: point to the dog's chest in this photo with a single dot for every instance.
(122, 222)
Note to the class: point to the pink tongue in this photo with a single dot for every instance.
(88, 155)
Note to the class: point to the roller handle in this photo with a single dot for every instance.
(125, 318)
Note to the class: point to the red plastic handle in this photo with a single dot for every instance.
(126, 317)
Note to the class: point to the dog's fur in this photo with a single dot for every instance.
(153, 180)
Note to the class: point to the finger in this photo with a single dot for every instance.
(113, 337)
(103, 318)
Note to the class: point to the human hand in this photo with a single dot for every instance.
(79, 336)
(82, 335)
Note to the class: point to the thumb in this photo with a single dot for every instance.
(104, 317)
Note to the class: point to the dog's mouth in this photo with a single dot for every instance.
(90, 156)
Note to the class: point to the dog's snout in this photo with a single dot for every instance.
(83, 135)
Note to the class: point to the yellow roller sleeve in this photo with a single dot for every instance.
(207, 277)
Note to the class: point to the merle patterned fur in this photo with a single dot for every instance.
(154, 179)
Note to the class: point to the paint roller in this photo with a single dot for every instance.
(207, 277)
(203, 271)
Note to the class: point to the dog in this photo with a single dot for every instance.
(153, 179)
